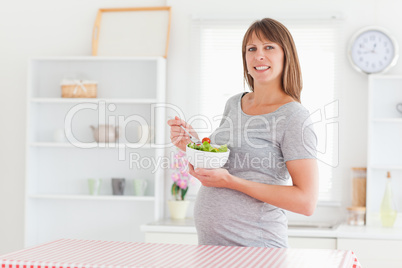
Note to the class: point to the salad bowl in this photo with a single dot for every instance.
(207, 159)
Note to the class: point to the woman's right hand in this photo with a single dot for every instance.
(177, 135)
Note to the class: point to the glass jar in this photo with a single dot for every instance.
(357, 216)
(359, 186)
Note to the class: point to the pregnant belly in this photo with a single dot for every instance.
(227, 217)
(217, 207)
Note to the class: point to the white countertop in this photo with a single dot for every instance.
(340, 231)
(170, 226)
(369, 232)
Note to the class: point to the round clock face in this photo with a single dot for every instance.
(373, 51)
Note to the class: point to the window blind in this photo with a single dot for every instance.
(218, 75)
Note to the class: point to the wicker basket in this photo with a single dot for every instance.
(78, 89)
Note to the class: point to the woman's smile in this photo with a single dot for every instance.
(262, 67)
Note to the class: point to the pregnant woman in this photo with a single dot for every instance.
(272, 165)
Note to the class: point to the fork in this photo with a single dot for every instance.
(192, 138)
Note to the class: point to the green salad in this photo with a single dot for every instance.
(208, 147)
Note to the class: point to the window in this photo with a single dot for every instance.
(218, 75)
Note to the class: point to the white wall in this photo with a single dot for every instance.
(64, 28)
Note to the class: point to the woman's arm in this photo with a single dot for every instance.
(301, 197)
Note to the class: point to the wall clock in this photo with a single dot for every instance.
(373, 50)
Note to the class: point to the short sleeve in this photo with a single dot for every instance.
(230, 103)
(225, 113)
(299, 139)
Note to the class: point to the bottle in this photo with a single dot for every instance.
(388, 209)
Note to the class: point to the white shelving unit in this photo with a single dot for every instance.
(384, 143)
(91, 197)
(97, 100)
(58, 204)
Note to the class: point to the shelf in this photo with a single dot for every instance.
(93, 197)
(384, 167)
(93, 100)
(92, 145)
(384, 76)
(388, 120)
(384, 143)
(98, 58)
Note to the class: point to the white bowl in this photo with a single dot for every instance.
(202, 159)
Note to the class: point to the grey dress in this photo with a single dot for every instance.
(260, 146)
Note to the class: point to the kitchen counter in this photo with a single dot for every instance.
(374, 246)
(369, 232)
(337, 231)
(65, 253)
(171, 226)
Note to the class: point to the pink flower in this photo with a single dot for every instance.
(180, 164)
(180, 175)
(184, 172)
(175, 177)
(182, 184)
(184, 162)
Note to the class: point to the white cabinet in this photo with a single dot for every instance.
(374, 252)
(310, 242)
(171, 238)
(192, 239)
(131, 93)
(170, 231)
(384, 142)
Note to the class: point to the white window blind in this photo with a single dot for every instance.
(218, 75)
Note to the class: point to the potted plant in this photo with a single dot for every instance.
(181, 178)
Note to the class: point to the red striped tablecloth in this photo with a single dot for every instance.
(73, 253)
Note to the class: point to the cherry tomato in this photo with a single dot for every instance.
(206, 139)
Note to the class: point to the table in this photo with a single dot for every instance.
(74, 253)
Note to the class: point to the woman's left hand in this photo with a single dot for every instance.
(211, 177)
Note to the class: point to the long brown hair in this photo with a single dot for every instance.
(276, 32)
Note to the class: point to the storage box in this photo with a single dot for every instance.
(78, 89)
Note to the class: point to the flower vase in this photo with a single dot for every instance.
(178, 208)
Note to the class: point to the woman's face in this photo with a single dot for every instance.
(265, 60)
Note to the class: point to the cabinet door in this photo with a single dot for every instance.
(374, 252)
(319, 243)
(171, 238)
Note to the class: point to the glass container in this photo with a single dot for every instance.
(388, 209)
(359, 186)
(356, 216)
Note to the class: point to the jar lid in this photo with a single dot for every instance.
(359, 168)
(355, 208)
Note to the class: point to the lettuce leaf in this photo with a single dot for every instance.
(206, 147)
